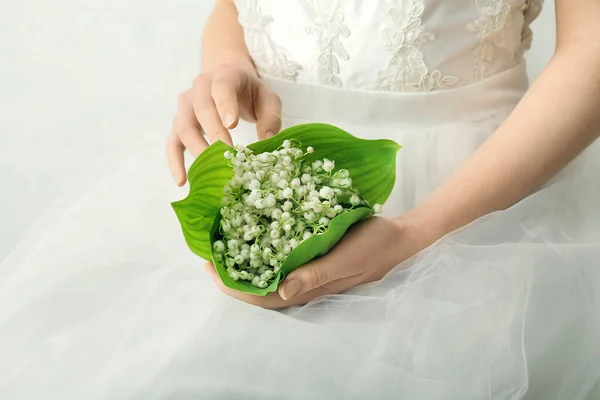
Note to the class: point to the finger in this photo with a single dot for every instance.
(186, 126)
(225, 89)
(206, 112)
(313, 275)
(250, 299)
(175, 158)
(192, 139)
(272, 302)
(268, 112)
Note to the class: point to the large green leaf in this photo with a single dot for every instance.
(372, 163)
(372, 166)
(207, 176)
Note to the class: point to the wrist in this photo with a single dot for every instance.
(419, 229)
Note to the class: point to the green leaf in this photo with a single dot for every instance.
(207, 176)
(372, 163)
(372, 166)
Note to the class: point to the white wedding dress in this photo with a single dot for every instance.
(103, 300)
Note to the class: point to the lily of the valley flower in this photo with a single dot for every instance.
(274, 201)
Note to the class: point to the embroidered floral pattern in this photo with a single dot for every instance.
(490, 28)
(531, 10)
(499, 31)
(436, 81)
(329, 27)
(406, 70)
(268, 57)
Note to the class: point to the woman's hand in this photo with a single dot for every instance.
(366, 253)
(213, 105)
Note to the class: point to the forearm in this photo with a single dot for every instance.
(223, 39)
(555, 121)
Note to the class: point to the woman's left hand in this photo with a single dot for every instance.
(365, 254)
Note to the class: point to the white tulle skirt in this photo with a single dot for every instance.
(103, 300)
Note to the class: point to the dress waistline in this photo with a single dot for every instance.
(474, 102)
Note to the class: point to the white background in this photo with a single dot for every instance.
(77, 76)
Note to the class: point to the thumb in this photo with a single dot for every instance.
(311, 276)
(267, 109)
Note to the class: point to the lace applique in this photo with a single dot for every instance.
(531, 10)
(268, 58)
(406, 70)
(435, 81)
(495, 17)
(329, 27)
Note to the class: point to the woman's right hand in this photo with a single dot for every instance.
(213, 105)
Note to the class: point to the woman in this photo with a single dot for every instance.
(480, 283)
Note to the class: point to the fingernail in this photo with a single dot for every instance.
(290, 289)
(269, 135)
(228, 120)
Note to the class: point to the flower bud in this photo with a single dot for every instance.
(309, 216)
(254, 184)
(342, 173)
(328, 165)
(317, 165)
(276, 213)
(219, 247)
(275, 178)
(326, 192)
(317, 207)
(239, 259)
(270, 201)
(287, 193)
(287, 206)
(255, 263)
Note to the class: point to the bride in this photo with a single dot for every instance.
(481, 281)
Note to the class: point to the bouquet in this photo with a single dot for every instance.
(261, 211)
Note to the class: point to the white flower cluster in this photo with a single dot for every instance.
(274, 201)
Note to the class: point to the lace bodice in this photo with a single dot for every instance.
(387, 45)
